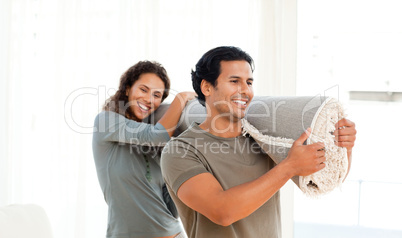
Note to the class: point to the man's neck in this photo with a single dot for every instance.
(222, 127)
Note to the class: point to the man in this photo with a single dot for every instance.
(222, 183)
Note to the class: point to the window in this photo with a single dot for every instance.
(351, 50)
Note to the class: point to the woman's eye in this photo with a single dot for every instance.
(234, 81)
(143, 90)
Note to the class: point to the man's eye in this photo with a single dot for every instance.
(250, 83)
(157, 96)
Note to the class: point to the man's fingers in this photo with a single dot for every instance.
(320, 166)
(344, 123)
(322, 159)
(318, 146)
(303, 137)
(320, 153)
(345, 131)
(345, 138)
(340, 123)
(345, 144)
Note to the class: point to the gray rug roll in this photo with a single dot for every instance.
(275, 122)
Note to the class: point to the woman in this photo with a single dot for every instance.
(126, 154)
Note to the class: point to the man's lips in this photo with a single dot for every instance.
(240, 102)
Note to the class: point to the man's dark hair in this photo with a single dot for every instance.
(209, 66)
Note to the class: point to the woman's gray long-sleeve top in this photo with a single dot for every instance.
(136, 205)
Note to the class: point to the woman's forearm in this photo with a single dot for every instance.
(172, 116)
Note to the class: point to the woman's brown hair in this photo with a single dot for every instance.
(119, 101)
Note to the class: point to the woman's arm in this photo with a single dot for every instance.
(172, 116)
(113, 127)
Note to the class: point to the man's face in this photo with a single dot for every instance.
(233, 92)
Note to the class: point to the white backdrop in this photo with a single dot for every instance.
(61, 59)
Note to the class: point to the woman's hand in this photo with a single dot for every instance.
(184, 97)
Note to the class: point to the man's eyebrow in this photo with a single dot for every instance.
(237, 77)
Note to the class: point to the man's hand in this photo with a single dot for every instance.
(345, 134)
(306, 159)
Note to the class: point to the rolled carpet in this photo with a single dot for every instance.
(275, 122)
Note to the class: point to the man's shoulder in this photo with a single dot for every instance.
(191, 135)
(184, 139)
(191, 141)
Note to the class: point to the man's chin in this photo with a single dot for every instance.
(238, 117)
(240, 114)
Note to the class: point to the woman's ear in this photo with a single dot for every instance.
(127, 91)
(206, 87)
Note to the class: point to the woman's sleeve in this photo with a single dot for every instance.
(113, 127)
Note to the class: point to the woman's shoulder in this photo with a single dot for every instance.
(110, 113)
(108, 117)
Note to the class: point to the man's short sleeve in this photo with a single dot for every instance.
(181, 161)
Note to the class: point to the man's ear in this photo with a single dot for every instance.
(206, 87)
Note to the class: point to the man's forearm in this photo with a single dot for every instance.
(240, 201)
(204, 194)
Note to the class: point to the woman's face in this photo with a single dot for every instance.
(145, 96)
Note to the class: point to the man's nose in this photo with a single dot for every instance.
(244, 87)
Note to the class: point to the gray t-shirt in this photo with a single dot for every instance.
(232, 161)
(136, 207)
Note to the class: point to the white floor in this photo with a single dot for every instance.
(309, 230)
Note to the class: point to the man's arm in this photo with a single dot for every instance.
(345, 136)
(204, 194)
